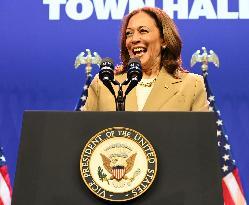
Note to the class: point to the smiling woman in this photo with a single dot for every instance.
(153, 29)
(151, 35)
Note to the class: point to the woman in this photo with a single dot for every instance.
(150, 35)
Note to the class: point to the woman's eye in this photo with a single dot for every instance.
(143, 31)
(128, 33)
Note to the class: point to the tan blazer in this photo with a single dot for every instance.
(185, 93)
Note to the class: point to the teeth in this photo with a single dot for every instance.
(138, 49)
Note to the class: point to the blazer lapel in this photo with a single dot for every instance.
(131, 101)
(164, 88)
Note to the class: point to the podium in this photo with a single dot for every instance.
(52, 142)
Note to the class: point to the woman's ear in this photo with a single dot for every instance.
(163, 44)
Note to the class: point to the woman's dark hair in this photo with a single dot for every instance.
(171, 54)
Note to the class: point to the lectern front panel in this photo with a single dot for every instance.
(48, 167)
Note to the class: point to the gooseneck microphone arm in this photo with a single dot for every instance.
(120, 100)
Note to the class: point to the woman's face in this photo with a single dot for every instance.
(143, 40)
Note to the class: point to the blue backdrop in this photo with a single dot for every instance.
(39, 41)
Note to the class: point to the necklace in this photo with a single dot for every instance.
(147, 84)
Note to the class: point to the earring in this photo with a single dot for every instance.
(164, 46)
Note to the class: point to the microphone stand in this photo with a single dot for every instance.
(120, 99)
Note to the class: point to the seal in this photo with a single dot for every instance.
(118, 164)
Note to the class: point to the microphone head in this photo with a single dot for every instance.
(107, 62)
(106, 72)
(134, 69)
(136, 60)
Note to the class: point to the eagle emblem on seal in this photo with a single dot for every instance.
(118, 162)
(118, 166)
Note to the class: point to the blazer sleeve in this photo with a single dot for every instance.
(200, 102)
(92, 99)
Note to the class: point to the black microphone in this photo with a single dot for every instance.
(106, 73)
(134, 73)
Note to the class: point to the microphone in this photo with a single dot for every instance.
(106, 73)
(134, 73)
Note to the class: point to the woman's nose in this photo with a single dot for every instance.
(136, 37)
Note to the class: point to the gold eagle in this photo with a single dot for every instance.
(129, 163)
